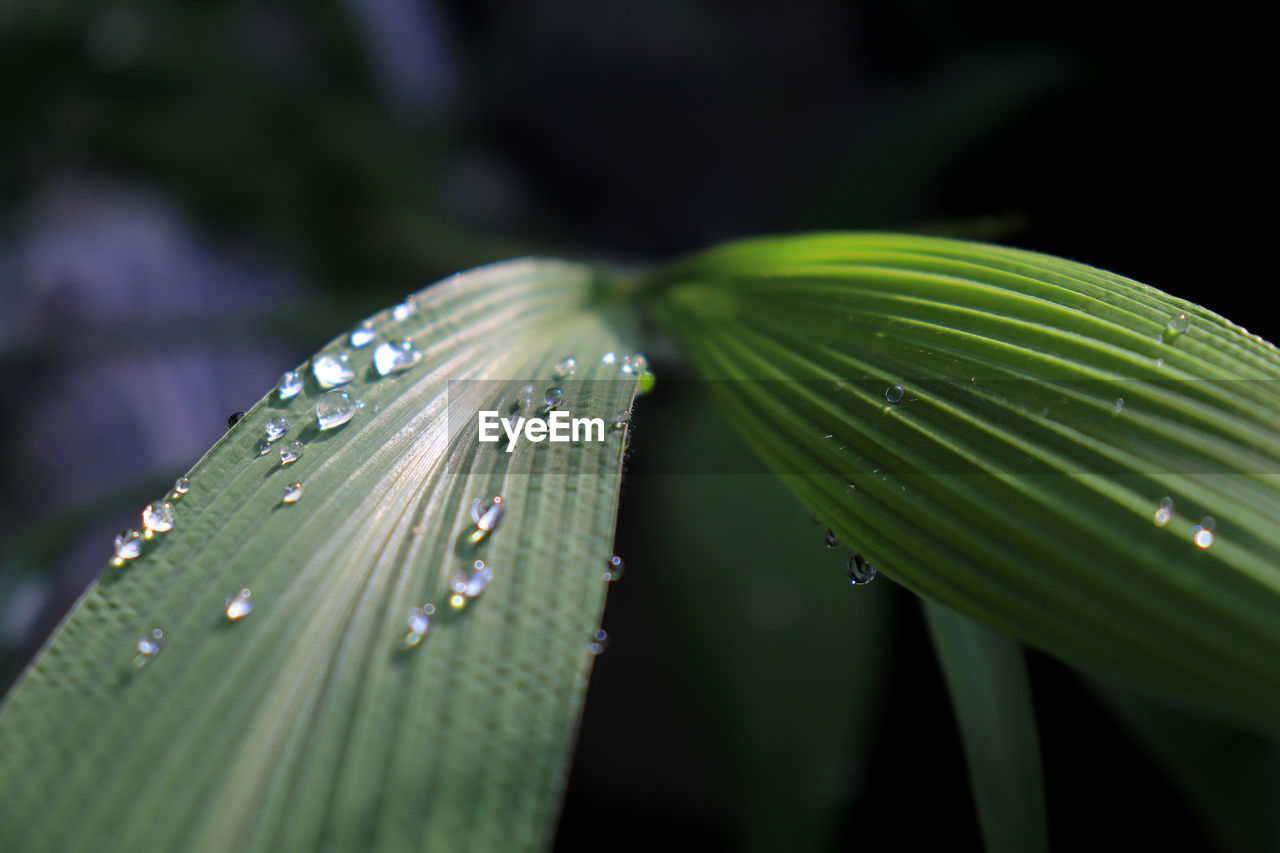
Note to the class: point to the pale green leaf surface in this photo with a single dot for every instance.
(307, 725)
(987, 679)
(1004, 483)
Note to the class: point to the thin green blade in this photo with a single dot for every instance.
(312, 722)
(999, 431)
(987, 679)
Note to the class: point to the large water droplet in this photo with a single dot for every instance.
(553, 397)
(1164, 512)
(389, 357)
(150, 644)
(405, 310)
(158, 516)
(276, 428)
(470, 581)
(291, 452)
(487, 513)
(831, 540)
(363, 335)
(894, 393)
(1177, 324)
(613, 569)
(240, 604)
(181, 486)
(293, 493)
(332, 371)
(859, 570)
(128, 544)
(264, 448)
(599, 641)
(334, 409)
(290, 384)
(234, 418)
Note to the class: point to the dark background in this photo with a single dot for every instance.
(195, 194)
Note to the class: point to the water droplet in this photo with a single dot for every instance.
(831, 539)
(553, 397)
(609, 358)
(363, 335)
(894, 393)
(405, 310)
(332, 371)
(240, 604)
(1164, 512)
(234, 418)
(158, 516)
(293, 493)
(419, 623)
(181, 486)
(524, 399)
(1118, 406)
(150, 644)
(613, 569)
(620, 420)
(334, 409)
(1178, 324)
(634, 365)
(599, 641)
(290, 384)
(128, 544)
(291, 452)
(1202, 533)
(389, 357)
(859, 570)
(565, 368)
(487, 513)
(645, 383)
(1159, 362)
(264, 448)
(276, 428)
(471, 581)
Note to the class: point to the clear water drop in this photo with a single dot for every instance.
(613, 569)
(599, 641)
(524, 399)
(859, 570)
(363, 335)
(565, 368)
(1118, 406)
(419, 621)
(291, 452)
(1178, 324)
(389, 357)
(239, 605)
(181, 486)
(128, 544)
(264, 448)
(334, 409)
(553, 397)
(293, 493)
(831, 540)
(276, 428)
(234, 418)
(609, 358)
(405, 310)
(332, 371)
(620, 419)
(471, 581)
(158, 516)
(487, 513)
(1164, 512)
(289, 385)
(894, 393)
(150, 644)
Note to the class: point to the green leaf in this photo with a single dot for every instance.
(308, 723)
(1009, 482)
(987, 679)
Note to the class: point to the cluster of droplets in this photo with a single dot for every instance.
(632, 365)
(858, 570)
(1202, 534)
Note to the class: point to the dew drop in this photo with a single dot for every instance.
(276, 428)
(894, 393)
(553, 397)
(293, 493)
(1202, 533)
(264, 448)
(634, 365)
(405, 310)
(332, 371)
(565, 368)
(289, 385)
(389, 357)
(334, 409)
(471, 581)
(609, 358)
(1177, 325)
(831, 539)
(524, 399)
(1118, 406)
(613, 569)
(240, 604)
(1164, 512)
(234, 418)
(599, 641)
(859, 570)
(181, 486)
(363, 335)
(419, 623)
(150, 644)
(486, 513)
(158, 516)
(128, 544)
(291, 452)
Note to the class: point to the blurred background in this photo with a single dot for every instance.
(195, 195)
